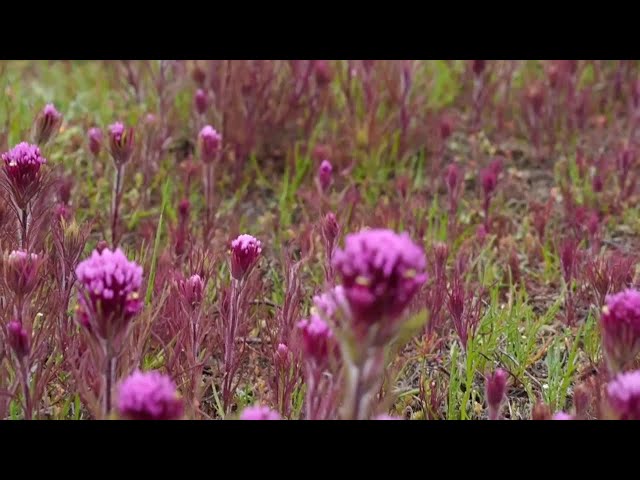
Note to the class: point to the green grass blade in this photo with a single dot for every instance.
(156, 244)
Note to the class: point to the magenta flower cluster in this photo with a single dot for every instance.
(620, 325)
(22, 164)
(210, 143)
(496, 388)
(332, 305)
(95, 140)
(258, 412)
(149, 396)
(109, 290)
(21, 271)
(623, 394)
(245, 251)
(381, 272)
(317, 339)
(121, 143)
(192, 290)
(47, 123)
(562, 416)
(385, 416)
(18, 339)
(324, 174)
(201, 101)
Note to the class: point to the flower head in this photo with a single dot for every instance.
(210, 143)
(381, 272)
(446, 127)
(95, 140)
(384, 416)
(317, 339)
(150, 120)
(481, 234)
(109, 285)
(562, 416)
(62, 211)
(22, 165)
(198, 75)
(18, 339)
(121, 143)
(324, 174)
(322, 72)
(21, 271)
(245, 251)
(257, 412)
(184, 208)
(330, 228)
(478, 66)
(331, 306)
(452, 177)
(191, 290)
(283, 355)
(620, 325)
(623, 394)
(535, 97)
(201, 102)
(496, 387)
(149, 396)
(489, 180)
(46, 124)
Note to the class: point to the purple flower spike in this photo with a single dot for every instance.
(95, 140)
(201, 101)
(257, 412)
(452, 177)
(109, 291)
(210, 144)
(18, 339)
(149, 396)
(22, 165)
(330, 228)
(446, 127)
(562, 416)
(21, 271)
(192, 290)
(481, 234)
(121, 143)
(331, 306)
(322, 71)
(317, 339)
(381, 272)
(496, 388)
(623, 393)
(478, 66)
(384, 416)
(324, 174)
(489, 180)
(245, 251)
(47, 124)
(620, 325)
(283, 355)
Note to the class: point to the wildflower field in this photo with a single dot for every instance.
(319, 240)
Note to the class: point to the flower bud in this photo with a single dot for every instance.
(210, 144)
(245, 252)
(18, 339)
(324, 174)
(201, 101)
(95, 140)
(496, 387)
(46, 125)
(121, 143)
